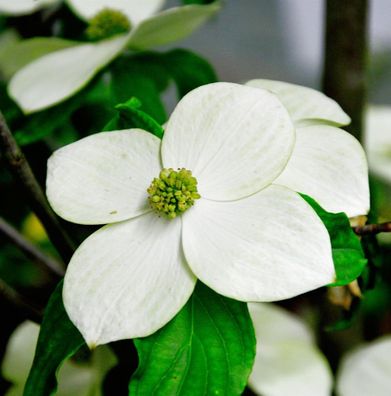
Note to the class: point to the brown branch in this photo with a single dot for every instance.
(21, 170)
(373, 229)
(345, 54)
(47, 263)
(22, 304)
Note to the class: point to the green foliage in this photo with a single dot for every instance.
(348, 255)
(207, 349)
(188, 70)
(58, 340)
(129, 116)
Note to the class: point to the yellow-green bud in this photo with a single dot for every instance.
(173, 192)
(107, 23)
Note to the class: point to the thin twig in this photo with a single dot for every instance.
(344, 77)
(47, 263)
(28, 310)
(21, 170)
(373, 229)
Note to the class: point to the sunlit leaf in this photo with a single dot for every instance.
(207, 349)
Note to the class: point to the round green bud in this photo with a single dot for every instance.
(107, 23)
(173, 192)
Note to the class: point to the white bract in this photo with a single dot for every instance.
(378, 141)
(366, 370)
(323, 163)
(287, 360)
(246, 237)
(58, 75)
(74, 379)
(22, 7)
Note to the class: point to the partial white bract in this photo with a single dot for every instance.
(287, 361)
(74, 379)
(55, 77)
(378, 141)
(246, 237)
(23, 7)
(366, 370)
(327, 163)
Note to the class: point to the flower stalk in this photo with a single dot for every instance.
(345, 58)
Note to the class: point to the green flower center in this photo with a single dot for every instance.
(173, 192)
(107, 23)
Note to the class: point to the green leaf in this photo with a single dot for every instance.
(143, 77)
(207, 349)
(131, 117)
(58, 340)
(188, 70)
(348, 255)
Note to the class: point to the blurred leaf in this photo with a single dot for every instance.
(58, 340)
(208, 349)
(348, 255)
(142, 77)
(188, 70)
(186, 2)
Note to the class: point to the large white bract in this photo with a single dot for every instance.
(366, 370)
(58, 75)
(287, 362)
(248, 237)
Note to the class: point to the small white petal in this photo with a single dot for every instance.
(287, 360)
(235, 139)
(22, 7)
(305, 105)
(171, 25)
(127, 279)
(135, 10)
(57, 76)
(366, 370)
(103, 178)
(265, 247)
(378, 140)
(329, 165)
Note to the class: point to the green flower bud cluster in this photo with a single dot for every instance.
(107, 23)
(173, 192)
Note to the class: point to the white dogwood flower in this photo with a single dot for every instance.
(58, 75)
(213, 212)
(287, 359)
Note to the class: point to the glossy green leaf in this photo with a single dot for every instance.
(129, 116)
(58, 340)
(144, 77)
(207, 349)
(348, 255)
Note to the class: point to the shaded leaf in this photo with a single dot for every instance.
(348, 255)
(58, 340)
(188, 70)
(207, 349)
